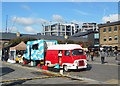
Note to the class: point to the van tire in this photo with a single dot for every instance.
(65, 68)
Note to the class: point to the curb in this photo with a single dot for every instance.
(57, 74)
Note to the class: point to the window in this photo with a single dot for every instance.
(115, 29)
(115, 38)
(77, 52)
(0, 43)
(35, 47)
(109, 29)
(96, 35)
(104, 38)
(104, 30)
(67, 53)
(5, 43)
(110, 38)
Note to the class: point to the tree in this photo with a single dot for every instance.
(70, 41)
(25, 39)
(60, 42)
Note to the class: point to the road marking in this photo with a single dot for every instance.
(113, 81)
(29, 78)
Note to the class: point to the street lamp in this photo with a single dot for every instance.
(66, 37)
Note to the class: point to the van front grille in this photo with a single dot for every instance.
(81, 63)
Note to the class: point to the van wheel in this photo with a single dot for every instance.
(65, 68)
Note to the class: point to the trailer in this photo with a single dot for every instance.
(36, 50)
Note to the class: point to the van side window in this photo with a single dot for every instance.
(67, 53)
(35, 47)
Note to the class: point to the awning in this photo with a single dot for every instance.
(20, 46)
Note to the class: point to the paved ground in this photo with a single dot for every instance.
(9, 71)
(105, 73)
(108, 72)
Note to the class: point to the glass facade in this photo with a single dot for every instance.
(96, 36)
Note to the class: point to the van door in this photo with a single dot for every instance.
(67, 57)
(60, 57)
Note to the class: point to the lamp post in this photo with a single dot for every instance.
(66, 37)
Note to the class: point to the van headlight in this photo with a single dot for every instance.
(76, 62)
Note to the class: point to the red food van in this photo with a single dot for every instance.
(68, 56)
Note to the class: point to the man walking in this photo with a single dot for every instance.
(92, 54)
(102, 55)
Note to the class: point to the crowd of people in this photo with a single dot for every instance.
(102, 54)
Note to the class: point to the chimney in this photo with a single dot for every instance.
(108, 22)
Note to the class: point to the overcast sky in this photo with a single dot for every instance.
(27, 17)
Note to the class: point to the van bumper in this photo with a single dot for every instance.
(76, 67)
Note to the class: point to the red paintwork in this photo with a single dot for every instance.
(52, 55)
(44, 67)
(81, 46)
(38, 65)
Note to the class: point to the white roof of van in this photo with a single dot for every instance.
(64, 47)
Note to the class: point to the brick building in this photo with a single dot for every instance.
(110, 35)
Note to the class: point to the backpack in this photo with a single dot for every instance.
(92, 53)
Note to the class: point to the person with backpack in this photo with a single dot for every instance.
(92, 54)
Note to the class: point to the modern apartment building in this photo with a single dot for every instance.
(110, 35)
(60, 29)
(89, 26)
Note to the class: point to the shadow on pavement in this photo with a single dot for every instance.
(5, 70)
(15, 83)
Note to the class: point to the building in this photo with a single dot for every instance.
(6, 37)
(60, 29)
(89, 26)
(110, 35)
(90, 35)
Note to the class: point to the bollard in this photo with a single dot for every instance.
(61, 71)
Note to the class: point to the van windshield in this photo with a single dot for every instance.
(77, 52)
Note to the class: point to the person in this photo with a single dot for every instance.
(87, 55)
(102, 55)
(92, 54)
(116, 53)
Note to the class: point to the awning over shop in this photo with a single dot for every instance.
(20, 46)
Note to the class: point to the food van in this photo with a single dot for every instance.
(68, 56)
(36, 50)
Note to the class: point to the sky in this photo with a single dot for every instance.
(28, 17)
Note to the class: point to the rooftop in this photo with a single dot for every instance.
(109, 24)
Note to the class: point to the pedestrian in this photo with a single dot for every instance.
(87, 55)
(92, 54)
(102, 55)
(116, 53)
